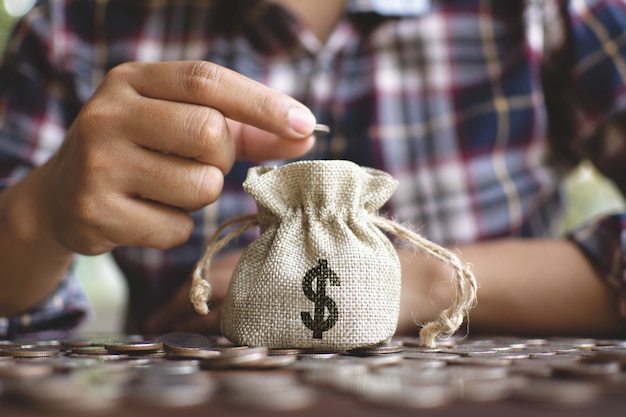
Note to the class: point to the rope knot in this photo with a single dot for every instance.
(200, 295)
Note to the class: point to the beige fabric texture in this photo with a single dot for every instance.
(311, 211)
(322, 274)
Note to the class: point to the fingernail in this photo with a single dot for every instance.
(301, 121)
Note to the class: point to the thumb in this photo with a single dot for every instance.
(254, 144)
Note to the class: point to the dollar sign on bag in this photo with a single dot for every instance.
(320, 323)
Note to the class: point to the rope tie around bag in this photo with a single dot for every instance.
(200, 293)
(448, 321)
(465, 284)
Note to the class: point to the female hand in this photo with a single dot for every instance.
(153, 144)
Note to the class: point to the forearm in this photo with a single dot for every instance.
(32, 264)
(532, 287)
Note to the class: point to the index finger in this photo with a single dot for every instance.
(236, 96)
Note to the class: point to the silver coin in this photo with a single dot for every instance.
(271, 362)
(168, 368)
(321, 130)
(383, 349)
(512, 354)
(283, 351)
(45, 343)
(191, 353)
(375, 361)
(440, 356)
(102, 358)
(422, 349)
(469, 350)
(309, 354)
(33, 352)
(185, 341)
(90, 350)
(134, 347)
(235, 358)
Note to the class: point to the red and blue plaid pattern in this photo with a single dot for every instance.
(460, 103)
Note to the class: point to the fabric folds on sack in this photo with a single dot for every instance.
(322, 274)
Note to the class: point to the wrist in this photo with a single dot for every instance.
(32, 263)
(26, 217)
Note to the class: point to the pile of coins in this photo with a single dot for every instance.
(186, 369)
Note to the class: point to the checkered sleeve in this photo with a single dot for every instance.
(33, 119)
(603, 242)
(58, 316)
(598, 46)
(597, 33)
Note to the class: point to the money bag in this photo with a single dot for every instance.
(322, 274)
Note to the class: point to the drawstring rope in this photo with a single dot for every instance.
(465, 284)
(448, 321)
(200, 288)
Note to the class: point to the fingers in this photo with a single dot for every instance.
(154, 142)
(109, 222)
(189, 121)
(185, 183)
(149, 224)
(254, 144)
(233, 94)
(187, 130)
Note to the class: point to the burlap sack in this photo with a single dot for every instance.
(322, 274)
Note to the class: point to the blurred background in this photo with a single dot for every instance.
(588, 195)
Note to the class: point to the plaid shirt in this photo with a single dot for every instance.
(477, 107)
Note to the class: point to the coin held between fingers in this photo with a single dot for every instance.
(321, 130)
